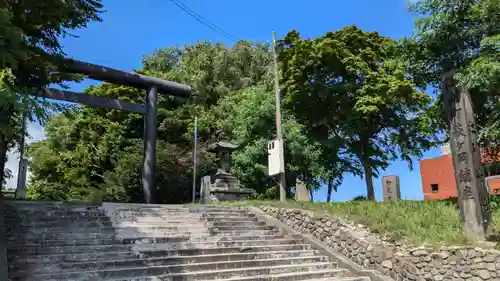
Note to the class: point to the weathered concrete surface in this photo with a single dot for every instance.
(74, 242)
(3, 250)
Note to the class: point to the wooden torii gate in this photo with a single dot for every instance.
(152, 85)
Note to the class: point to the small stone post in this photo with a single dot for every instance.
(390, 188)
(21, 179)
(469, 173)
(301, 192)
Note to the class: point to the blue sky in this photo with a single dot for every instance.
(133, 28)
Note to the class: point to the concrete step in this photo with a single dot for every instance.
(143, 229)
(10, 205)
(227, 216)
(43, 215)
(352, 278)
(135, 233)
(16, 209)
(170, 206)
(61, 220)
(129, 223)
(320, 275)
(182, 272)
(51, 203)
(22, 249)
(29, 221)
(117, 206)
(138, 240)
(130, 258)
(58, 221)
(100, 256)
(179, 214)
(204, 218)
(187, 263)
(193, 224)
(191, 208)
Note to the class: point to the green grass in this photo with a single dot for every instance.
(432, 223)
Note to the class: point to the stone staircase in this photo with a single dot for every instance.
(54, 241)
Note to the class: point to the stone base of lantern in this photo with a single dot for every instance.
(230, 194)
(218, 192)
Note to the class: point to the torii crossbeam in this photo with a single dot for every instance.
(152, 85)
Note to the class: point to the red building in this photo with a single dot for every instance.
(438, 175)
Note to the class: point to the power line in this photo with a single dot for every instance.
(203, 20)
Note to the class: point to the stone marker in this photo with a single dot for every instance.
(301, 192)
(21, 187)
(390, 188)
(469, 173)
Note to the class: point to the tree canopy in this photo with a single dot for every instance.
(353, 102)
(351, 89)
(30, 54)
(460, 36)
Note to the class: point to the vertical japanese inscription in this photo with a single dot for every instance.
(469, 172)
(390, 188)
(459, 134)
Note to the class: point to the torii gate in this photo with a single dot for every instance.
(148, 109)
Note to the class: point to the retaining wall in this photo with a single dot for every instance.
(396, 260)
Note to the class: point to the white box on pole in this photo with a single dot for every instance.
(274, 157)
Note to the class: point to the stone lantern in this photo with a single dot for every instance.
(223, 151)
(222, 186)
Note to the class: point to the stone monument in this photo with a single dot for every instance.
(21, 179)
(301, 192)
(390, 188)
(473, 197)
(222, 186)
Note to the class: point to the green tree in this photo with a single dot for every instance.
(247, 117)
(95, 154)
(29, 53)
(460, 36)
(31, 31)
(352, 83)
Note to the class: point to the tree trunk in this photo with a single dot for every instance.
(311, 193)
(330, 189)
(3, 155)
(370, 193)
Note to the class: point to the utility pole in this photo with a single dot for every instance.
(195, 157)
(279, 133)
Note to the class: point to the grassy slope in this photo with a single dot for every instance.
(419, 222)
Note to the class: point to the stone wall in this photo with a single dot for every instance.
(393, 259)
